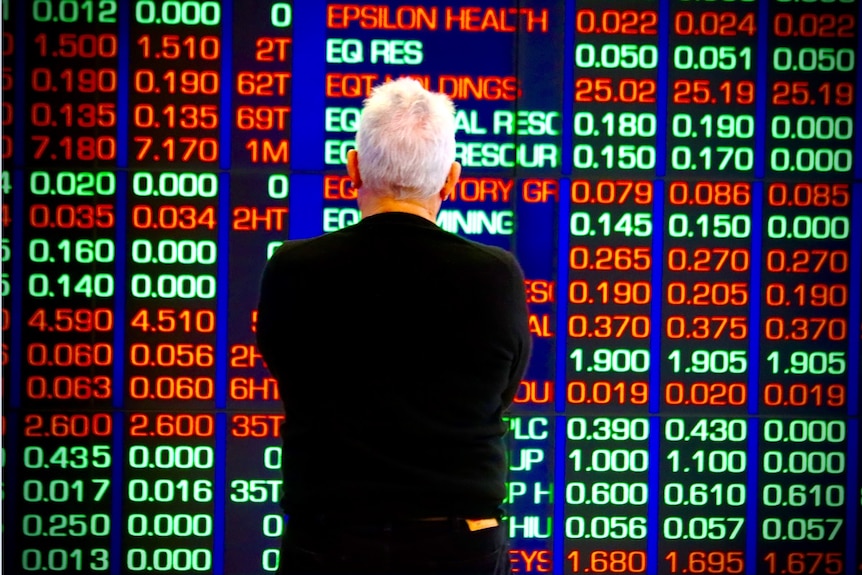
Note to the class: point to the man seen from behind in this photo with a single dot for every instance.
(397, 346)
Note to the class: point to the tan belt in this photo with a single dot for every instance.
(472, 524)
(480, 524)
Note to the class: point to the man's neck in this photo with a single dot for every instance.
(373, 204)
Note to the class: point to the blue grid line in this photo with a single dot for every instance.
(13, 387)
(225, 124)
(755, 280)
(559, 481)
(854, 377)
(117, 492)
(309, 18)
(657, 251)
(117, 395)
(222, 296)
(123, 40)
(852, 487)
(219, 480)
(760, 88)
(560, 374)
(654, 493)
(568, 83)
(564, 207)
(562, 285)
(661, 88)
(562, 293)
(754, 303)
(223, 275)
(121, 201)
(18, 194)
(19, 99)
(10, 504)
(858, 154)
(753, 499)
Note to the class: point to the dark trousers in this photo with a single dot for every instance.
(319, 544)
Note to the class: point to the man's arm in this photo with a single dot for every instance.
(270, 314)
(517, 301)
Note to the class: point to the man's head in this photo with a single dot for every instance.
(405, 145)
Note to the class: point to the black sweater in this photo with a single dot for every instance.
(397, 346)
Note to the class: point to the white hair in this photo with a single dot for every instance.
(406, 140)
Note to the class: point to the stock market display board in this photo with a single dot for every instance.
(677, 178)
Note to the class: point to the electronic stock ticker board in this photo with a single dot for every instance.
(676, 177)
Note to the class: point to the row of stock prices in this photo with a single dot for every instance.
(676, 177)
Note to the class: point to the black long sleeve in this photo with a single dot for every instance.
(397, 346)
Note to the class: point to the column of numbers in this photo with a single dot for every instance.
(168, 504)
(616, 58)
(606, 494)
(609, 294)
(65, 493)
(174, 112)
(706, 295)
(170, 375)
(712, 79)
(703, 513)
(811, 78)
(173, 253)
(67, 350)
(804, 355)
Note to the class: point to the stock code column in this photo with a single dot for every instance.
(259, 188)
(609, 290)
(66, 350)
(171, 257)
(806, 349)
(706, 279)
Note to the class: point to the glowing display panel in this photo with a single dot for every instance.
(676, 177)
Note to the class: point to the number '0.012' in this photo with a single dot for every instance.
(71, 11)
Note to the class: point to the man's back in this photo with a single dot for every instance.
(396, 348)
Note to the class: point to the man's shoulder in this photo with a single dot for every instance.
(362, 242)
(297, 248)
(289, 246)
(490, 253)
